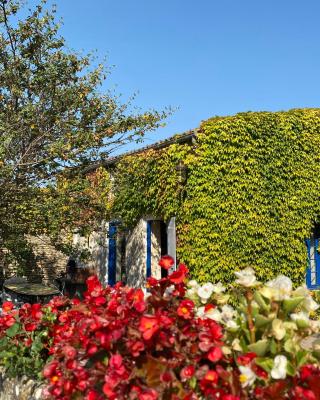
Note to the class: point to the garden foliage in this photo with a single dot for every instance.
(251, 196)
(180, 340)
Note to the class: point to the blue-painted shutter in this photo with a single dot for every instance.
(112, 255)
(148, 258)
(313, 270)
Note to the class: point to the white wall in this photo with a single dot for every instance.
(136, 255)
(155, 249)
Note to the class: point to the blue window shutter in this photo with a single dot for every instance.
(313, 269)
(112, 256)
(148, 258)
(308, 275)
(317, 256)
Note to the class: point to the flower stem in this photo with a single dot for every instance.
(252, 329)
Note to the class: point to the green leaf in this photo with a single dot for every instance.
(273, 347)
(290, 304)
(260, 347)
(261, 321)
(193, 382)
(13, 330)
(289, 346)
(302, 357)
(259, 299)
(302, 323)
(37, 346)
(290, 369)
(265, 363)
(3, 342)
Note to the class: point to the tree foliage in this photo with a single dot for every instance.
(54, 117)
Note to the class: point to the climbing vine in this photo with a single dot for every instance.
(150, 183)
(251, 197)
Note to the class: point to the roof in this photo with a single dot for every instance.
(179, 138)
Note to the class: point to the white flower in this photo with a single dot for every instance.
(301, 291)
(279, 370)
(281, 287)
(193, 284)
(309, 304)
(200, 312)
(226, 350)
(302, 316)
(278, 330)
(236, 345)
(214, 314)
(230, 324)
(191, 292)
(218, 288)
(205, 291)
(228, 312)
(246, 277)
(247, 376)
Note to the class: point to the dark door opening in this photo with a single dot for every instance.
(163, 245)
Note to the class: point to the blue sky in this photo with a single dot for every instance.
(205, 57)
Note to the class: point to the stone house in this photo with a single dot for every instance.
(249, 209)
(133, 254)
(248, 194)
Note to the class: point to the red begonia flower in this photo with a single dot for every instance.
(187, 372)
(149, 394)
(246, 359)
(166, 262)
(180, 275)
(215, 354)
(7, 306)
(148, 326)
(211, 376)
(185, 309)
(30, 327)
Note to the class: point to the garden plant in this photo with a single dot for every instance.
(176, 340)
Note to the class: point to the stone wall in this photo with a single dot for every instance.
(96, 245)
(19, 388)
(44, 263)
(49, 262)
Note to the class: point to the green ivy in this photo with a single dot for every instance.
(251, 198)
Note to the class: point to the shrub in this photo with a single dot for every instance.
(24, 338)
(178, 340)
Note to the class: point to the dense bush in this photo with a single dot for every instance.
(179, 340)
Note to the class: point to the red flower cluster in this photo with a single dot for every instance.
(120, 344)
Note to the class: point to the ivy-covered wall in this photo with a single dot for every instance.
(251, 198)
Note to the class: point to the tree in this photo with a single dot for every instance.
(54, 118)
